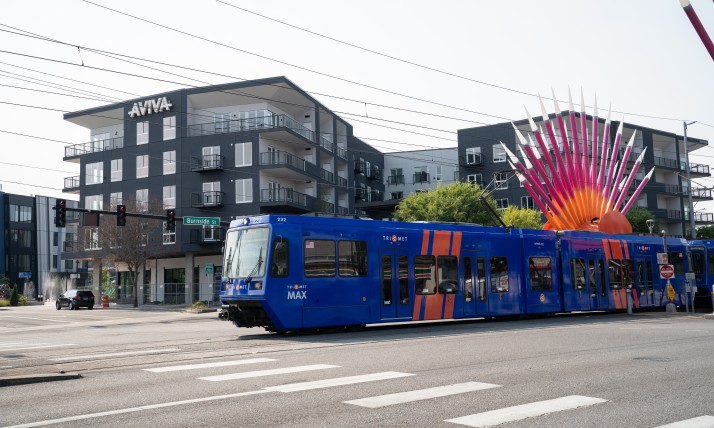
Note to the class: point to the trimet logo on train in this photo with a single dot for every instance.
(394, 238)
(297, 292)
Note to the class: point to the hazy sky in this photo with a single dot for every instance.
(488, 58)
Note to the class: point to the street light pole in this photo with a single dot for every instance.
(689, 182)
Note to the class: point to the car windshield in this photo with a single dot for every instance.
(245, 252)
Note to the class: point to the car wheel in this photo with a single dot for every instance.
(57, 305)
(71, 306)
(90, 307)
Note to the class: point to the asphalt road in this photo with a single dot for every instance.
(141, 368)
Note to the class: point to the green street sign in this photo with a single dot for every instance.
(209, 269)
(201, 221)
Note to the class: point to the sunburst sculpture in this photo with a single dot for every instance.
(583, 188)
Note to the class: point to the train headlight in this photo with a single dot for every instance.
(258, 285)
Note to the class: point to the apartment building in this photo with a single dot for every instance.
(226, 151)
(666, 195)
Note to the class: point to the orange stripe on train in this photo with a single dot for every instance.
(442, 241)
(434, 303)
(425, 242)
(417, 307)
(606, 247)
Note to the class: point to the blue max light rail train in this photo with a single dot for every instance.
(291, 273)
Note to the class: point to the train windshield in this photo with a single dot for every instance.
(245, 253)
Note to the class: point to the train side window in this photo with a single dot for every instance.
(628, 273)
(591, 278)
(541, 273)
(448, 274)
(481, 272)
(710, 264)
(614, 267)
(698, 260)
(601, 271)
(403, 280)
(577, 270)
(424, 275)
(319, 257)
(352, 258)
(386, 280)
(677, 260)
(468, 281)
(280, 262)
(499, 274)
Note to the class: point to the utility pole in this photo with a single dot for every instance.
(689, 181)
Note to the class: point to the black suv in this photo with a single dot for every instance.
(74, 299)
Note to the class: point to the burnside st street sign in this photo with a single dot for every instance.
(201, 221)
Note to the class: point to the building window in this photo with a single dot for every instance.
(21, 238)
(473, 156)
(211, 193)
(144, 230)
(421, 174)
(91, 238)
(499, 155)
(501, 204)
(501, 180)
(93, 202)
(169, 197)
(142, 200)
(244, 154)
(68, 265)
(476, 179)
(55, 239)
(117, 166)
(170, 162)
(437, 175)
(115, 198)
(244, 191)
(527, 203)
(169, 237)
(94, 173)
(142, 166)
(396, 195)
(142, 133)
(54, 262)
(20, 214)
(169, 128)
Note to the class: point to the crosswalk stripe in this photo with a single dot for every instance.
(208, 365)
(259, 373)
(705, 421)
(524, 411)
(340, 381)
(114, 354)
(422, 394)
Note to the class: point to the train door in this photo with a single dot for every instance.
(597, 284)
(644, 283)
(394, 271)
(474, 279)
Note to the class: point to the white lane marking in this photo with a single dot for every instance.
(421, 394)
(40, 346)
(33, 318)
(695, 331)
(6, 367)
(208, 365)
(340, 381)
(258, 373)
(114, 354)
(136, 409)
(525, 411)
(705, 421)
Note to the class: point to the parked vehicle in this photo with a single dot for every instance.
(75, 299)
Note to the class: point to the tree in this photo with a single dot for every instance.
(131, 245)
(458, 202)
(638, 217)
(15, 296)
(522, 218)
(705, 232)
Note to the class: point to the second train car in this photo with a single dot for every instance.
(290, 273)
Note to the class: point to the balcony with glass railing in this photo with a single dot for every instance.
(290, 161)
(72, 152)
(701, 193)
(327, 144)
(341, 182)
(287, 200)
(207, 199)
(328, 176)
(263, 123)
(666, 162)
(207, 163)
(71, 185)
(327, 207)
(699, 169)
(341, 152)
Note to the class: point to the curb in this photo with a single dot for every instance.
(38, 378)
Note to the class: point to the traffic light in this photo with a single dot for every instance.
(170, 220)
(121, 215)
(60, 212)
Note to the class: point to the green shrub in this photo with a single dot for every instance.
(23, 300)
(4, 303)
(14, 297)
(199, 305)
